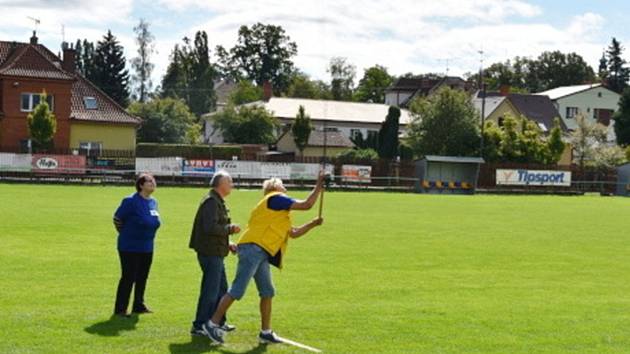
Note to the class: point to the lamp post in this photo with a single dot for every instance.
(482, 88)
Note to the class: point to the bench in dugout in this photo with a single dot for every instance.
(446, 185)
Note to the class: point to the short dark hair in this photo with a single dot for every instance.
(142, 179)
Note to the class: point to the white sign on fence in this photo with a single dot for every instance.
(160, 166)
(533, 178)
(15, 162)
(262, 170)
(356, 173)
(308, 170)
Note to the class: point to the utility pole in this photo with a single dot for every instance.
(482, 90)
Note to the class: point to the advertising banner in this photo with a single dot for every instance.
(160, 166)
(308, 171)
(15, 162)
(356, 173)
(72, 164)
(198, 167)
(239, 169)
(533, 178)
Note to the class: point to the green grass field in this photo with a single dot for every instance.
(397, 273)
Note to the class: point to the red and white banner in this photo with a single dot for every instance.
(70, 164)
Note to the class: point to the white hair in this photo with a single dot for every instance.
(272, 184)
(218, 177)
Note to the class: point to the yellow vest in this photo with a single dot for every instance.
(268, 228)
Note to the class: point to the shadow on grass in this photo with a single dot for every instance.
(113, 326)
(203, 345)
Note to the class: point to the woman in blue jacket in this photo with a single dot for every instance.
(136, 220)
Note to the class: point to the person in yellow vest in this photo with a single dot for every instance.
(264, 242)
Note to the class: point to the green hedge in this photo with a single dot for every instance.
(188, 151)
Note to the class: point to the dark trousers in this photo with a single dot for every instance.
(135, 268)
(213, 287)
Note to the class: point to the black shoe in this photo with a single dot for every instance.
(269, 338)
(141, 309)
(228, 327)
(121, 314)
(194, 331)
(215, 333)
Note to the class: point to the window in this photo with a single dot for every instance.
(29, 101)
(572, 112)
(90, 148)
(90, 102)
(599, 94)
(501, 121)
(331, 129)
(372, 134)
(355, 133)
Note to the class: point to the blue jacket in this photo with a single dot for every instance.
(139, 219)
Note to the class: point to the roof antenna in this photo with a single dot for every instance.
(36, 21)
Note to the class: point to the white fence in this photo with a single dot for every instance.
(171, 166)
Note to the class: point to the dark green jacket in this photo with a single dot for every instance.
(211, 230)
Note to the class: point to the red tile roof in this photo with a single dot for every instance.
(25, 60)
(36, 61)
(107, 111)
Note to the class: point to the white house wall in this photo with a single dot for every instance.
(586, 102)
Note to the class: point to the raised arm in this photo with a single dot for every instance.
(302, 230)
(310, 201)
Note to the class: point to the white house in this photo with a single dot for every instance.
(348, 118)
(594, 101)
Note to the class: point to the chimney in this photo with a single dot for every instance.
(267, 90)
(34, 38)
(69, 58)
(505, 90)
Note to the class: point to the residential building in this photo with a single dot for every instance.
(536, 108)
(336, 143)
(405, 89)
(348, 118)
(594, 101)
(87, 119)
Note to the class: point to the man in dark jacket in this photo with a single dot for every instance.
(210, 239)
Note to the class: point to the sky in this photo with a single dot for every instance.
(403, 35)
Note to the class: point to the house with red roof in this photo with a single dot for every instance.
(88, 121)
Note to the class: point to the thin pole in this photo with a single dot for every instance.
(321, 197)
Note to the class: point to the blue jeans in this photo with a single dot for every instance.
(253, 261)
(213, 287)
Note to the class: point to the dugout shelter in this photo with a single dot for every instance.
(447, 174)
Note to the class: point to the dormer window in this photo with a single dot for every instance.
(90, 102)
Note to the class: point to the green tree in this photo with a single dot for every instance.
(165, 120)
(373, 84)
(444, 124)
(302, 86)
(42, 125)
(246, 124)
(245, 92)
(110, 75)
(85, 59)
(549, 70)
(388, 134)
(190, 75)
(493, 136)
(202, 97)
(555, 145)
(342, 78)
(622, 119)
(301, 129)
(618, 73)
(142, 65)
(262, 53)
(361, 142)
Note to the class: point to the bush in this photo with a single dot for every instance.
(358, 155)
(187, 151)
